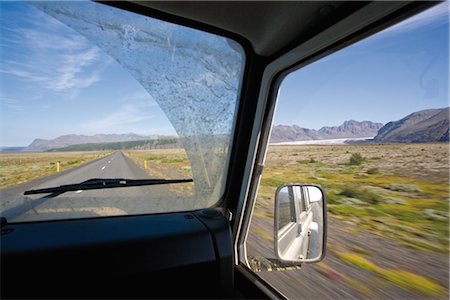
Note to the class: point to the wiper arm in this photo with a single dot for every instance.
(97, 183)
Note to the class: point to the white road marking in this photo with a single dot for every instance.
(79, 191)
(103, 167)
(109, 162)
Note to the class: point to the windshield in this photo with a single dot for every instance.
(90, 92)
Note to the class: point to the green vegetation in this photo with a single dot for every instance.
(398, 277)
(402, 187)
(333, 274)
(373, 171)
(361, 251)
(357, 260)
(393, 202)
(361, 194)
(145, 144)
(356, 159)
(395, 193)
(272, 182)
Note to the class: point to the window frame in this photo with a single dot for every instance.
(357, 27)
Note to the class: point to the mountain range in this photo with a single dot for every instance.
(349, 129)
(430, 125)
(74, 139)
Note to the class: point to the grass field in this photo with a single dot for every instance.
(16, 168)
(165, 163)
(388, 209)
(397, 191)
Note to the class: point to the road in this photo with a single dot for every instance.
(104, 202)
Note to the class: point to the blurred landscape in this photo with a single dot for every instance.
(388, 226)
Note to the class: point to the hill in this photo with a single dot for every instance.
(349, 129)
(11, 149)
(430, 125)
(73, 139)
(143, 144)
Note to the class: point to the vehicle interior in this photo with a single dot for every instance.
(198, 253)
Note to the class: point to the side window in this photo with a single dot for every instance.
(370, 124)
(286, 207)
(299, 199)
(306, 197)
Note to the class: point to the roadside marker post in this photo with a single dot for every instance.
(145, 164)
(57, 167)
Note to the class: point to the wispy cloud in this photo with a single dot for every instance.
(438, 14)
(72, 73)
(52, 56)
(135, 109)
(72, 67)
(47, 40)
(10, 103)
(23, 74)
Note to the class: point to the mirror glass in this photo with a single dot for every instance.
(300, 223)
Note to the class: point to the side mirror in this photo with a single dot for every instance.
(300, 223)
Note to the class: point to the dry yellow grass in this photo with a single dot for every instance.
(16, 168)
(165, 163)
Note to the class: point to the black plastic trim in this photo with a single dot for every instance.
(130, 256)
(345, 10)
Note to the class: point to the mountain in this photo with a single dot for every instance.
(73, 139)
(430, 125)
(286, 133)
(349, 129)
(160, 143)
(11, 149)
(352, 129)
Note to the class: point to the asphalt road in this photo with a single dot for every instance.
(17, 207)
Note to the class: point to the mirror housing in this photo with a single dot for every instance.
(300, 225)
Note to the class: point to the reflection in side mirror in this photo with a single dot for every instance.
(300, 223)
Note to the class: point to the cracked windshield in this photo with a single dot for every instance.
(105, 112)
(370, 124)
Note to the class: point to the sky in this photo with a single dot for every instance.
(54, 82)
(383, 78)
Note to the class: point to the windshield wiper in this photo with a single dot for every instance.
(98, 183)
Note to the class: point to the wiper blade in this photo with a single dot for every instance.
(98, 183)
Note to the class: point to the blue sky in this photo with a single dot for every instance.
(383, 78)
(55, 82)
